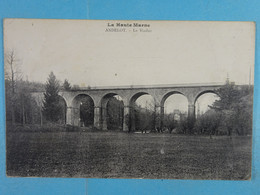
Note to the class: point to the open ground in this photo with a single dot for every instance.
(127, 155)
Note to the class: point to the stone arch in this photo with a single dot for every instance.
(204, 92)
(105, 117)
(168, 94)
(164, 120)
(82, 110)
(134, 97)
(65, 99)
(201, 94)
(72, 98)
(132, 100)
(63, 105)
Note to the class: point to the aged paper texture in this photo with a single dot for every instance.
(129, 99)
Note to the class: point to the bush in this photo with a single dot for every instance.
(208, 123)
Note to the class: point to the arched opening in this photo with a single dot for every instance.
(112, 112)
(204, 101)
(207, 119)
(83, 111)
(142, 114)
(63, 110)
(175, 111)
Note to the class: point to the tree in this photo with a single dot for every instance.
(228, 96)
(235, 108)
(20, 106)
(115, 112)
(12, 74)
(66, 85)
(169, 122)
(144, 118)
(208, 123)
(51, 106)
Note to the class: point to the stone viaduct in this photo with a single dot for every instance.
(129, 94)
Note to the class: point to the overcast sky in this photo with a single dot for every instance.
(174, 52)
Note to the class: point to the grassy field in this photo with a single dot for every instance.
(124, 155)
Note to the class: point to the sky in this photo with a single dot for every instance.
(172, 53)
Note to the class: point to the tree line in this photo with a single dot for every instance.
(21, 107)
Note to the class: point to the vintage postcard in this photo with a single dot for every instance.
(129, 99)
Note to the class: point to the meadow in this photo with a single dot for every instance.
(127, 155)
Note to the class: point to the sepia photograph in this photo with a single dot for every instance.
(129, 99)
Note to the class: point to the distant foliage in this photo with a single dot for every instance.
(169, 122)
(208, 123)
(144, 118)
(75, 87)
(66, 85)
(26, 110)
(35, 86)
(115, 114)
(180, 126)
(52, 109)
(21, 108)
